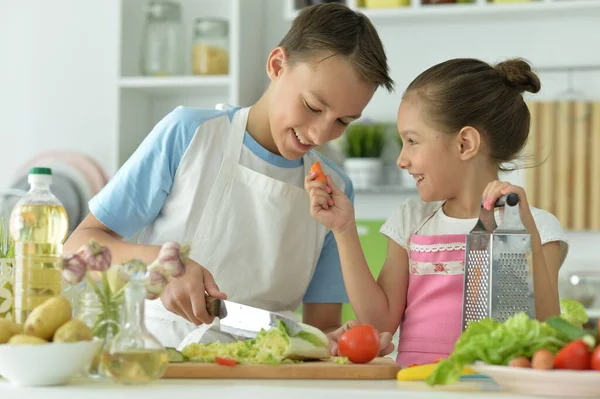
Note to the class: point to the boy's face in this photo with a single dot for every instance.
(312, 102)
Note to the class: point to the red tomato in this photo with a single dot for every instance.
(573, 356)
(223, 361)
(360, 343)
(596, 359)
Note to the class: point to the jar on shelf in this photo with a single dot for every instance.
(162, 52)
(210, 52)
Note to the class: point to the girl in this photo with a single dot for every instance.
(460, 122)
(230, 183)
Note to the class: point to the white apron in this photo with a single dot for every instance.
(252, 232)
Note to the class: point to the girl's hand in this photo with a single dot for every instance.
(385, 339)
(497, 188)
(328, 204)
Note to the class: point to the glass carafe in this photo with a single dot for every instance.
(135, 356)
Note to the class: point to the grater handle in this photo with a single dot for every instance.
(511, 199)
(487, 222)
(511, 220)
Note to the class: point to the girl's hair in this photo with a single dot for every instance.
(469, 92)
(335, 28)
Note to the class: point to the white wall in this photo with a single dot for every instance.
(58, 70)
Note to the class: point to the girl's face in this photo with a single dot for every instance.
(429, 155)
(311, 103)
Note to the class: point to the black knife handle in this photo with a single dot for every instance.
(213, 305)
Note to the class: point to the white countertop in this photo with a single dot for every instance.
(263, 389)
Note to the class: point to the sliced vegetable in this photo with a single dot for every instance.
(573, 356)
(316, 167)
(174, 355)
(340, 360)
(274, 346)
(223, 361)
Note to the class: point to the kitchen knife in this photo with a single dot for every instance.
(240, 321)
(247, 321)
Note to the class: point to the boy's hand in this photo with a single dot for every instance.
(328, 204)
(184, 295)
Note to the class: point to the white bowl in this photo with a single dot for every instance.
(47, 364)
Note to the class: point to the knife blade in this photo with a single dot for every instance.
(247, 321)
(238, 320)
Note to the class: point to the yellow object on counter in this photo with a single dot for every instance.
(421, 372)
(386, 3)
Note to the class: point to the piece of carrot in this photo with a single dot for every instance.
(316, 167)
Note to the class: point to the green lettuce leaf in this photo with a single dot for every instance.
(496, 343)
(574, 312)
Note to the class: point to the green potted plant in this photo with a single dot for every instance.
(363, 145)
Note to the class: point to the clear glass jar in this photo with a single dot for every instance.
(105, 320)
(162, 51)
(210, 52)
(135, 356)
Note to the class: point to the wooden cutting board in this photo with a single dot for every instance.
(379, 369)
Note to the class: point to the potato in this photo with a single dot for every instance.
(7, 330)
(22, 339)
(73, 331)
(542, 359)
(45, 319)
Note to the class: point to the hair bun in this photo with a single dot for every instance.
(517, 73)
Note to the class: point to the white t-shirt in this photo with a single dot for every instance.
(407, 217)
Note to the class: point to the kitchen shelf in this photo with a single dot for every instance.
(164, 85)
(479, 8)
(144, 100)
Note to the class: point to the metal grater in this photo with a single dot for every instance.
(498, 280)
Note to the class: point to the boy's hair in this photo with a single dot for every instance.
(333, 27)
(469, 92)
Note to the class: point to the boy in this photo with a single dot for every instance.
(230, 183)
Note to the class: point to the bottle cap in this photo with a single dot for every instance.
(40, 171)
(40, 175)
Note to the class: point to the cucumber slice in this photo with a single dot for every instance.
(175, 356)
